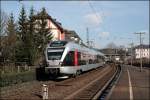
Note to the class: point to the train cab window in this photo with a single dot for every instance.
(54, 55)
(58, 43)
(69, 59)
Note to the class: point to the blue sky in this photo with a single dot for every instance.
(110, 21)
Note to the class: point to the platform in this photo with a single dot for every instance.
(132, 85)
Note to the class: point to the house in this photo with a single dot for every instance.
(56, 28)
(144, 49)
(58, 32)
(71, 35)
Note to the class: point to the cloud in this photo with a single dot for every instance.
(93, 19)
(104, 34)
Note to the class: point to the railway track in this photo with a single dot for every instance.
(104, 93)
(84, 86)
(33, 89)
(98, 88)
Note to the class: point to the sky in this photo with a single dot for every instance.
(107, 21)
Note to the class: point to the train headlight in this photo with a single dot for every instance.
(60, 63)
(47, 63)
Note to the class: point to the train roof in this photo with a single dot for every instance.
(73, 46)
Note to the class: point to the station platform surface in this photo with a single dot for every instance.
(133, 84)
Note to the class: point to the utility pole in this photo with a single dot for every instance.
(87, 36)
(141, 47)
(115, 55)
(131, 53)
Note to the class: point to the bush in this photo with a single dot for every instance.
(15, 78)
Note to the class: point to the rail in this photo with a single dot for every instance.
(103, 92)
(90, 89)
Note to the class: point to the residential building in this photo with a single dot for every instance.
(144, 49)
(56, 28)
(58, 32)
(71, 35)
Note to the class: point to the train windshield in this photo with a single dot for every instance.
(58, 43)
(54, 54)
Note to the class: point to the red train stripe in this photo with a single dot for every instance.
(76, 57)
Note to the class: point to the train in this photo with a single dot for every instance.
(71, 59)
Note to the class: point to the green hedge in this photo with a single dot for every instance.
(15, 78)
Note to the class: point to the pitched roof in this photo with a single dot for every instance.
(72, 33)
(47, 16)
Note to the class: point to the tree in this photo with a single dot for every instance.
(31, 31)
(23, 38)
(23, 25)
(3, 21)
(111, 45)
(11, 30)
(11, 38)
(43, 35)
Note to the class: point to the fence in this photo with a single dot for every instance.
(11, 74)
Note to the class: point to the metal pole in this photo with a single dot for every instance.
(125, 55)
(140, 54)
(131, 53)
(87, 30)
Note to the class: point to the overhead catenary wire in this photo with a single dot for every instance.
(91, 6)
(97, 14)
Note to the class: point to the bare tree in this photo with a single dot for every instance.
(3, 21)
(111, 45)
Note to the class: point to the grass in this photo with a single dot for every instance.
(7, 79)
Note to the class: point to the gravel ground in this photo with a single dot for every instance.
(57, 89)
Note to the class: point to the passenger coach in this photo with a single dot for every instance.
(69, 58)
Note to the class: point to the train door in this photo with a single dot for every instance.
(71, 59)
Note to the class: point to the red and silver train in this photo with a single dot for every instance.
(69, 58)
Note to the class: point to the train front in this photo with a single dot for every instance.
(53, 55)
